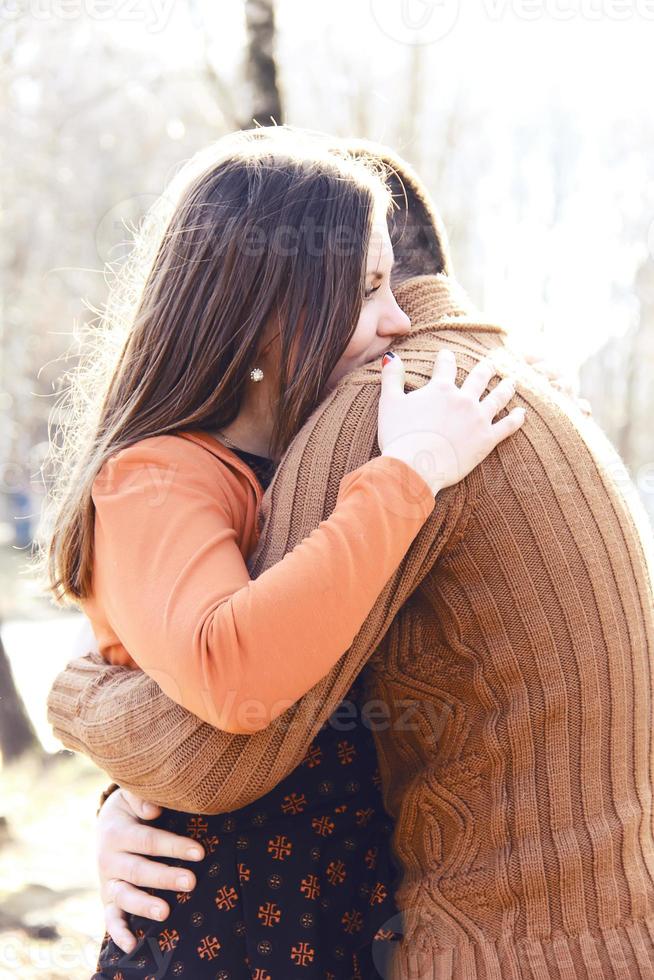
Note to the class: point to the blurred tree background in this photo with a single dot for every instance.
(536, 139)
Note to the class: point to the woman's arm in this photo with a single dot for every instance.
(171, 577)
(150, 745)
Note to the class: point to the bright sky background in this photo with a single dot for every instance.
(510, 64)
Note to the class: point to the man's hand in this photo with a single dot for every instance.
(121, 841)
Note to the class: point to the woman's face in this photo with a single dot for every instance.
(381, 320)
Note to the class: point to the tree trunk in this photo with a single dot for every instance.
(260, 66)
(17, 734)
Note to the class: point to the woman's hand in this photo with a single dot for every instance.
(535, 355)
(559, 379)
(85, 640)
(120, 843)
(444, 431)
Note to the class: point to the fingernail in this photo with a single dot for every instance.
(156, 912)
(194, 853)
(183, 881)
(388, 356)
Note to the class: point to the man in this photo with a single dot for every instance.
(508, 675)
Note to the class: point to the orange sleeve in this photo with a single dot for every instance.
(175, 586)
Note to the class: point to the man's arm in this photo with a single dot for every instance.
(121, 719)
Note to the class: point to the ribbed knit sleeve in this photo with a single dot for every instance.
(124, 721)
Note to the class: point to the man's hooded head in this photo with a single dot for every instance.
(416, 229)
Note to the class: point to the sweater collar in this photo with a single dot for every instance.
(433, 300)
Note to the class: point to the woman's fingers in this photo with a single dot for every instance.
(138, 870)
(508, 425)
(392, 377)
(499, 397)
(115, 924)
(477, 380)
(444, 366)
(127, 898)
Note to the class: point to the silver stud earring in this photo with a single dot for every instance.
(256, 374)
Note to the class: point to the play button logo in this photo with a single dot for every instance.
(415, 21)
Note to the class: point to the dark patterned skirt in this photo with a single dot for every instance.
(298, 884)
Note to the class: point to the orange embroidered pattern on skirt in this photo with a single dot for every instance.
(299, 883)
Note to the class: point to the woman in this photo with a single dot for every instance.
(244, 323)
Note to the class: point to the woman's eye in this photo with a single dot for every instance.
(369, 292)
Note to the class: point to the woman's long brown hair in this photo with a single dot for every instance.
(265, 226)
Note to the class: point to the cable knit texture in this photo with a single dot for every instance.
(512, 648)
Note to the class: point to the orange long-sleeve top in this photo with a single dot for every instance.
(175, 519)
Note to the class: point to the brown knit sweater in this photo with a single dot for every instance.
(512, 652)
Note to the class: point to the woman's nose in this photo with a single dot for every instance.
(396, 324)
